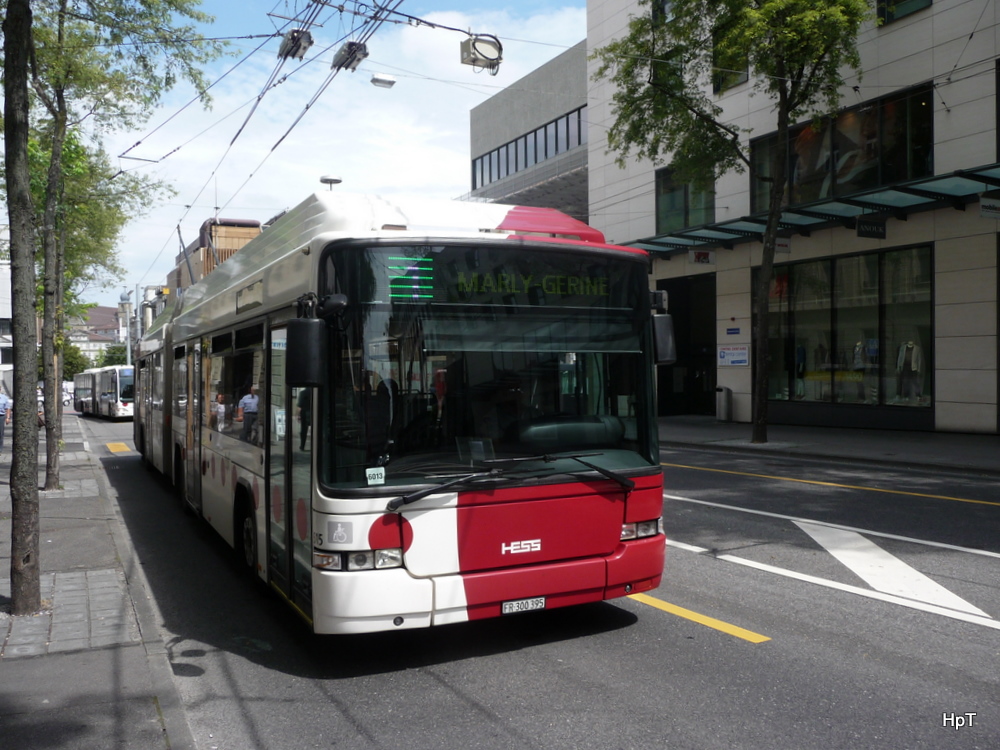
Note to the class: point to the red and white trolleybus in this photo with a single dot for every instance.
(410, 413)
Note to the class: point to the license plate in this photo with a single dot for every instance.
(522, 605)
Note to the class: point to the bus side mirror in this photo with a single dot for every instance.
(664, 344)
(305, 354)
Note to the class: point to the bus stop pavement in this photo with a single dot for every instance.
(90, 669)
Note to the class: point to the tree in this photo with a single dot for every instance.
(25, 583)
(74, 361)
(109, 63)
(796, 51)
(112, 355)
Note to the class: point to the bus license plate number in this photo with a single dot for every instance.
(522, 605)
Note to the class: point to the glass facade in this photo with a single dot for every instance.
(893, 10)
(551, 139)
(853, 330)
(679, 206)
(876, 143)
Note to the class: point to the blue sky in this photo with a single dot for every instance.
(413, 138)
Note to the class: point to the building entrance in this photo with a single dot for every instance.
(688, 386)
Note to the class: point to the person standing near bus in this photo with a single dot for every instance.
(4, 416)
(246, 412)
(304, 404)
(220, 412)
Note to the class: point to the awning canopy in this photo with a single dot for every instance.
(955, 190)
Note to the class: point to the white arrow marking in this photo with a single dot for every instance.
(882, 571)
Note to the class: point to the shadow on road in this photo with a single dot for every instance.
(207, 603)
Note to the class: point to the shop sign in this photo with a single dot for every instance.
(989, 208)
(737, 355)
(702, 257)
(871, 228)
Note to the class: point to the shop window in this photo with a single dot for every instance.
(908, 335)
(855, 298)
(810, 361)
(853, 330)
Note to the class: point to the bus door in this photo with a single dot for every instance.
(288, 502)
(192, 435)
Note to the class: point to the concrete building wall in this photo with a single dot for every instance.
(551, 91)
(954, 44)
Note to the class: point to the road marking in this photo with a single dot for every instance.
(882, 571)
(866, 532)
(711, 622)
(835, 484)
(118, 448)
(964, 617)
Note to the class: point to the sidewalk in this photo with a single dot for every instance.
(892, 448)
(90, 671)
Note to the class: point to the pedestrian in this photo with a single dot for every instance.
(246, 412)
(4, 416)
(220, 412)
(304, 404)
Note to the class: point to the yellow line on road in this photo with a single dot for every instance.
(711, 622)
(834, 484)
(118, 448)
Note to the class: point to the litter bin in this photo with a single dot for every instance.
(724, 404)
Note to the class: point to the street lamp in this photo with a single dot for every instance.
(330, 180)
(383, 81)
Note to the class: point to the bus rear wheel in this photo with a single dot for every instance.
(246, 539)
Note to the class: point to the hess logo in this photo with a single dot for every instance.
(528, 545)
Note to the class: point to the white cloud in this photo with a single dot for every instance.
(411, 138)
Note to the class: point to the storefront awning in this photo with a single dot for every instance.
(955, 190)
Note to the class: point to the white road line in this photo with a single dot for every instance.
(866, 532)
(882, 571)
(954, 615)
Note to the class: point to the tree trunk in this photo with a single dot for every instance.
(24, 564)
(762, 289)
(50, 295)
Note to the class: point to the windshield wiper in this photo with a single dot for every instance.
(624, 482)
(397, 502)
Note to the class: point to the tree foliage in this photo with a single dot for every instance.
(74, 361)
(665, 110)
(114, 354)
(106, 64)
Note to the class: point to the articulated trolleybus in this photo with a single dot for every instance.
(105, 391)
(406, 414)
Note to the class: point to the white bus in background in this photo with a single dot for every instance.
(105, 391)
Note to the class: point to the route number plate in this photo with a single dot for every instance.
(522, 605)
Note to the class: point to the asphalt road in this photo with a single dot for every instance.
(771, 629)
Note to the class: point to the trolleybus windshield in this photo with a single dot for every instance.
(456, 356)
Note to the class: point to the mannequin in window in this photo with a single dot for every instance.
(909, 366)
(821, 359)
(800, 371)
(858, 366)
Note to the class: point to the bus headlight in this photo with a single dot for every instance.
(379, 559)
(641, 530)
(388, 558)
(328, 560)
